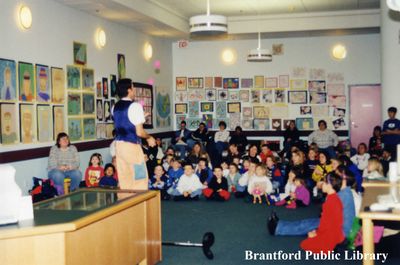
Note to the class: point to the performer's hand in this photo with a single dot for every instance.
(151, 141)
(147, 114)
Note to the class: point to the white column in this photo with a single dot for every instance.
(390, 61)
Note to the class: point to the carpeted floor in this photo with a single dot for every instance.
(238, 226)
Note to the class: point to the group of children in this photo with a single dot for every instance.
(97, 176)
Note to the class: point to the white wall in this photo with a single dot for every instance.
(362, 65)
(49, 42)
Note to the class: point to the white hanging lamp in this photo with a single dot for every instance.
(208, 24)
(259, 55)
(393, 4)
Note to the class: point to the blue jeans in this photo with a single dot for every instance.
(58, 177)
(296, 228)
(182, 149)
(221, 146)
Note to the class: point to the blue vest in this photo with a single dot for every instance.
(124, 129)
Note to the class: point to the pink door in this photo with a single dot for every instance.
(365, 112)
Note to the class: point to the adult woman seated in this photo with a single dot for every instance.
(326, 139)
(64, 163)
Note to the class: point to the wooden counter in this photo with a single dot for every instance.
(126, 231)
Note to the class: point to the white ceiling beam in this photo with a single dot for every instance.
(305, 22)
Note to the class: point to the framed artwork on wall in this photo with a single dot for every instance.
(284, 81)
(246, 83)
(230, 83)
(8, 80)
(261, 124)
(113, 86)
(80, 54)
(221, 109)
(194, 109)
(195, 82)
(181, 108)
(317, 98)
(259, 81)
(107, 110)
(271, 82)
(44, 123)
(88, 79)
(233, 95)
(74, 103)
(57, 85)
(58, 120)
(99, 110)
(208, 120)
(207, 107)
(26, 82)
(195, 95)
(105, 87)
(73, 77)
(180, 83)
(305, 123)
(208, 82)
(211, 94)
(244, 95)
(43, 92)
(297, 97)
(88, 107)
(89, 128)
(222, 95)
(75, 129)
(217, 81)
(286, 123)
(247, 112)
(121, 66)
(234, 107)
(276, 124)
(8, 123)
(280, 95)
(100, 130)
(247, 124)
(317, 86)
(144, 95)
(296, 84)
(27, 125)
(260, 112)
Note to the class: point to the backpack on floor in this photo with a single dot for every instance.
(42, 189)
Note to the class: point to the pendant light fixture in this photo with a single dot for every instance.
(259, 54)
(208, 24)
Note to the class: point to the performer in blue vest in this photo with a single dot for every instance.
(128, 121)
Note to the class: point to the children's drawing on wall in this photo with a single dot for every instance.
(74, 103)
(208, 82)
(194, 108)
(44, 123)
(99, 109)
(163, 108)
(222, 95)
(276, 124)
(267, 96)
(260, 112)
(247, 124)
(27, 123)
(305, 110)
(181, 96)
(121, 66)
(317, 74)
(221, 110)
(246, 83)
(105, 87)
(335, 89)
(320, 111)
(304, 123)
(211, 94)
(26, 84)
(335, 77)
(338, 112)
(244, 95)
(337, 101)
(234, 120)
(339, 124)
(89, 126)
(8, 83)
(317, 98)
(58, 85)
(107, 111)
(88, 79)
(8, 123)
(58, 116)
(261, 124)
(298, 72)
(80, 55)
(280, 95)
(255, 96)
(247, 112)
(316, 86)
(75, 129)
(73, 77)
(88, 103)
(113, 86)
(286, 123)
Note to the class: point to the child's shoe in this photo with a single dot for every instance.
(291, 205)
(280, 203)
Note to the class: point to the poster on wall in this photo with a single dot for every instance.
(89, 128)
(180, 83)
(8, 120)
(75, 129)
(26, 82)
(88, 107)
(195, 82)
(144, 96)
(8, 82)
(80, 54)
(73, 77)
(58, 120)
(113, 86)
(231, 83)
(43, 92)
(44, 123)
(121, 66)
(74, 103)
(57, 85)
(88, 79)
(27, 125)
(220, 107)
(163, 108)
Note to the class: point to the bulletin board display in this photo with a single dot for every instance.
(144, 96)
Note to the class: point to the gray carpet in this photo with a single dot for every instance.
(238, 226)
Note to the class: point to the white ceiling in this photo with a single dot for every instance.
(170, 18)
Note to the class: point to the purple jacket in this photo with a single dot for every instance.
(302, 194)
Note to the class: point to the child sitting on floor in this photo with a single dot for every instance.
(225, 168)
(233, 177)
(274, 173)
(108, 180)
(174, 173)
(159, 182)
(300, 197)
(241, 188)
(259, 185)
(204, 172)
(218, 187)
(95, 171)
(189, 185)
(374, 169)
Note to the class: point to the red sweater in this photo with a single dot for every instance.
(93, 175)
(329, 232)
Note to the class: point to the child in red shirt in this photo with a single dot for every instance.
(95, 171)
